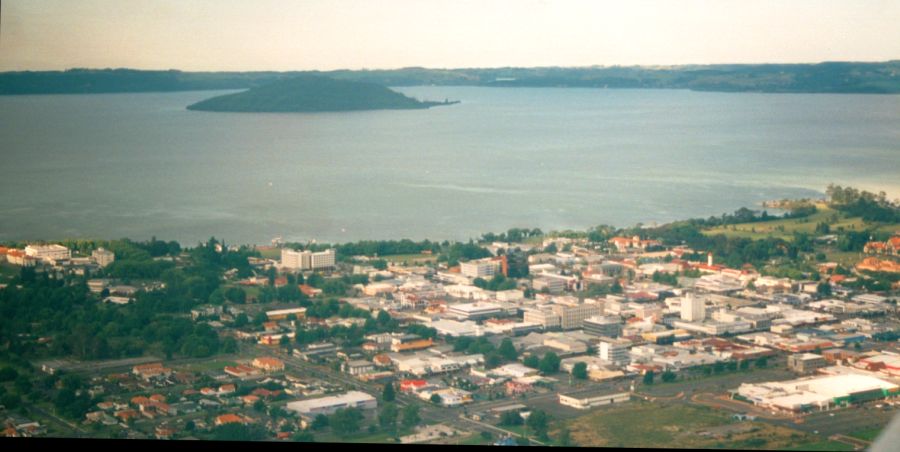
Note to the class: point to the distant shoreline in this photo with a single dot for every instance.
(827, 77)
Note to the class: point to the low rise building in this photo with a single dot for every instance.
(328, 405)
(587, 400)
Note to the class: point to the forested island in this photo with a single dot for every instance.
(312, 93)
(827, 77)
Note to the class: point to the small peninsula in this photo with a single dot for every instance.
(312, 93)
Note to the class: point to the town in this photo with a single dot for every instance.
(748, 330)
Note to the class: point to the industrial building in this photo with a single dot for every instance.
(584, 401)
(328, 405)
(816, 392)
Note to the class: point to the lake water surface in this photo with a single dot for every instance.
(138, 165)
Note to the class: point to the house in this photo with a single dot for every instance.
(231, 418)
(268, 364)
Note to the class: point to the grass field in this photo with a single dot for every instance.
(410, 258)
(827, 445)
(785, 228)
(868, 434)
(644, 424)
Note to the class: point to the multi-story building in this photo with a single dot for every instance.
(573, 316)
(542, 316)
(806, 362)
(481, 268)
(614, 351)
(48, 252)
(693, 309)
(103, 257)
(322, 259)
(307, 260)
(608, 326)
(548, 283)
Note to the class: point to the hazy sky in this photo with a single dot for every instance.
(354, 34)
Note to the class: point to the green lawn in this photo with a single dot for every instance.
(826, 445)
(868, 434)
(785, 228)
(409, 258)
(668, 425)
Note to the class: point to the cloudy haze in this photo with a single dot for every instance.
(300, 35)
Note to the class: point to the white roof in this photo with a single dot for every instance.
(352, 397)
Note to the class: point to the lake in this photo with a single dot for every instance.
(140, 165)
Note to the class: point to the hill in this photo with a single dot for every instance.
(312, 93)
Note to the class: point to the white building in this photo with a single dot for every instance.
(328, 405)
(693, 309)
(471, 311)
(306, 260)
(614, 351)
(103, 257)
(587, 401)
(482, 268)
(48, 252)
(542, 316)
(573, 316)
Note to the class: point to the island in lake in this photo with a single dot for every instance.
(313, 93)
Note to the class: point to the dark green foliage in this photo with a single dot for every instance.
(345, 421)
(388, 394)
(668, 376)
(549, 363)
(538, 422)
(239, 432)
(8, 374)
(511, 418)
(648, 377)
(507, 350)
(387, 419)
(411, 416)
(309, 93)
(319, 422)
(579, 371)
(303, 437)
(532, 361)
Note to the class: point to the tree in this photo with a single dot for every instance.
(238, 432)
(564, 439)
(345, 421)
(8, 374)
(648, 377)
(668, 376)
(537, 422)
(762, 362)
(436, 399)
(579, 371)
(511, 418)
(388, 394)
(387, 419)
(303, 437)
(508, 350)
(411, 416)
(549, 363)
(319, 422)
(824, 289)
(532, 361)
(259, 406)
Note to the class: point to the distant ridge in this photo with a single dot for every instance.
(827, 77)
(312, 93)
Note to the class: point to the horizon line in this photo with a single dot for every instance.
(593, 66)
